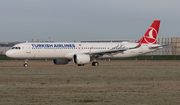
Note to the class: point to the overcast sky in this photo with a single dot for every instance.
(76, 20)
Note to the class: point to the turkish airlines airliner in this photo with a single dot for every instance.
(84, 53)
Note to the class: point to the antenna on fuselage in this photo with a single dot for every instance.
(49, 39)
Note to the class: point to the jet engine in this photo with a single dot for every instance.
(60, 61)
(81, 59)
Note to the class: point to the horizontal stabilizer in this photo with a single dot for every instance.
(154, 46)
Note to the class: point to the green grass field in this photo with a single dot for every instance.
(103, 85)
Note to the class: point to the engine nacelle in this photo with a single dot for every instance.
(60, 61)
(81, 59)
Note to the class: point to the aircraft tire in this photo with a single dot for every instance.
(95, 64)
(25, 65)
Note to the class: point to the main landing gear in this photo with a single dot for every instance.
(95, 64)
(25, 63)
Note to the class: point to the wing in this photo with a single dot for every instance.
(114, 50)
(111, 51)
(105, 52)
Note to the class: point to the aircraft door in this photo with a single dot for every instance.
(80, 48)
(28, 48)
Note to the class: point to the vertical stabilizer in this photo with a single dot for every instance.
(151, 35)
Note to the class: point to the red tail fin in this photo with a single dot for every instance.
(151, 35)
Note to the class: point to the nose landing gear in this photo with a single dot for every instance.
(25, 63)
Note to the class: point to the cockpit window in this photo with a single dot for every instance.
(16, 47)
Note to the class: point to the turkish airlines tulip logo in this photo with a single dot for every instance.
(151, 35)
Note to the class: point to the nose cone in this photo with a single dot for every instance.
(9, 53)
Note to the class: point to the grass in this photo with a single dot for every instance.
(124, 85)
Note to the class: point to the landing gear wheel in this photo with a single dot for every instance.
(95, 64)
(25, 65)
(92, 63)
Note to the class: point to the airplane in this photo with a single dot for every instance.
(84, 53)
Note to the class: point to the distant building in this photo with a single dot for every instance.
(175, 46)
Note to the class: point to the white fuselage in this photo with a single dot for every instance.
(67, 50)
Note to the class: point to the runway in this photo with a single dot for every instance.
(113, 82)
